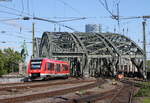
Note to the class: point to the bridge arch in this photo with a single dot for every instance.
(97, 53)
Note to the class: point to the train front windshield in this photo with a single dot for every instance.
(36, 64)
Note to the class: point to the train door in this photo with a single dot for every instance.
(57, 68)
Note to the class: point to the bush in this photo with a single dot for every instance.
(9, 60)
(2, 72)
(144, 91)
(146, 100)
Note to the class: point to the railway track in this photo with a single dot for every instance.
(124, 95)
(34, 82)
(131, 82)
(135, 79)
(43, 85)
(93, 98)
(38, 96)
(129, 89)
(121, 94)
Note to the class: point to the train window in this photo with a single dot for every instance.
(58, 67)
(36, 64)
(65, 67)
(50, 66)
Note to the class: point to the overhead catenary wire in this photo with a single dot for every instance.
(42, 19)
(51, 21)
(14, 25)
(113, 6)
(5, 41)
(18, 36)
(76, 17)
(106, 7)
(10, 19)
(74, 9)
(113, 16)
(22, 2)
(28, 6)
(54, 22)
(13, 9)
(10, 13)
(22, 35)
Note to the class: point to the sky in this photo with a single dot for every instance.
(14, 32)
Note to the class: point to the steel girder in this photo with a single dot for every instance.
(129, 50)
(97, 53)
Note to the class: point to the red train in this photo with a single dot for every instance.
(44, 68)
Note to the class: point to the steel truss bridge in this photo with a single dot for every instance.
(92, 54)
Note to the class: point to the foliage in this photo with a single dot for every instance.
(3, 71)
(148, 65)
(146, 100)
(145, 90)
(9, 60)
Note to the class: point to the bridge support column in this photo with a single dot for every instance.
(86, 69)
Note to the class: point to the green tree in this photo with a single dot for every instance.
(148, 65)
(9, 61)
(2, 59)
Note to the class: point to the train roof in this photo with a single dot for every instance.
(50, 60)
